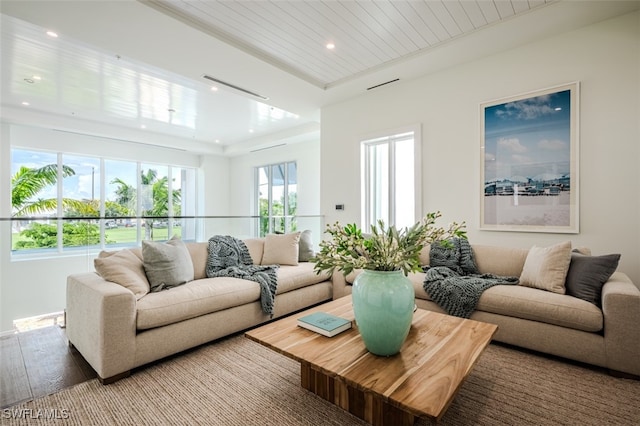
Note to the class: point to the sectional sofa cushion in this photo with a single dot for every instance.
(125, 268)
(498, 260)
(281, 249)
(194, 299)
(208, 295)
(542, 306)
(587, 275)
(531, 304)
(167, 264)
(295, 277)
(546, 267)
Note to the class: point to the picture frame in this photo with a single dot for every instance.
(529, 161)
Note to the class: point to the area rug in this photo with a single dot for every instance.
(236, 381)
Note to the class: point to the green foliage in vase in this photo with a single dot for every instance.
(385, 248)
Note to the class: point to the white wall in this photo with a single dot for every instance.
(605, 58)
(307, 157)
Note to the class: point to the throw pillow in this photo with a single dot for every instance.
(305, 249)
(167, 264)
(545, 268)
(281, 249)
(587, 275)
(256, 249)
(125, 268)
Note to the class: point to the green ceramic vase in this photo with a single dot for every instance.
(383, 305)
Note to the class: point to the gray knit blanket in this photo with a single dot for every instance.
(453, 282)
(229, 257)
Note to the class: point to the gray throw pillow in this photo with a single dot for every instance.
(305, 247)
(167, 265)
(587, 275)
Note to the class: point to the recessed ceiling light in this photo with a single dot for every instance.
(331, 46)
(217, 140)
(25, 103)
(250, 130)
(37, 77)
(143, 126)
(52, 34)
(214, 88)
(29, 80)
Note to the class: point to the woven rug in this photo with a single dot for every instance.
(236, 381)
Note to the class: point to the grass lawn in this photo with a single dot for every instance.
(128, 235)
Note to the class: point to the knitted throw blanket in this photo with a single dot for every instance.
(229, 257)
(453, 282)
(457, 256)
(458, 294)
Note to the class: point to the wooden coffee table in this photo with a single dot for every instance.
(420, 381)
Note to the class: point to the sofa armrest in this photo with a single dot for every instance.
(101, 323)
(621, 309)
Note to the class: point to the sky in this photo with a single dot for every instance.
(528, 137)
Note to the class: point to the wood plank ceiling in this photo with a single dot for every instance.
(367, 35)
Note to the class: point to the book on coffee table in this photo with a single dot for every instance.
(325, 324)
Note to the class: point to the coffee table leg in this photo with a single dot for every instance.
(365, 405)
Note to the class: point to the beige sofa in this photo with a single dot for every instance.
(557, 324)
(116, 328)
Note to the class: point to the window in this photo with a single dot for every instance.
(121, 206)
(277, 195)
(390, 179)
(70, 201)
(81, 199)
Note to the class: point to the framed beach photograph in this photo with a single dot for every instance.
(529, 162)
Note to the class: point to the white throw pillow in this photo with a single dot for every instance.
(125, 268)
(281, 249)
(546, 267)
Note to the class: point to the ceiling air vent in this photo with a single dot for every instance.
(382, 84)
(268, 147)
(233, 86)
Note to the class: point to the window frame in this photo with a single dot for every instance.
(289, 224)
(389, 138)
(59, 217)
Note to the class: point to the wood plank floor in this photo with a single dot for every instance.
(37, 363)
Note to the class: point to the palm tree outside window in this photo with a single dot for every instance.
(130, 201)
